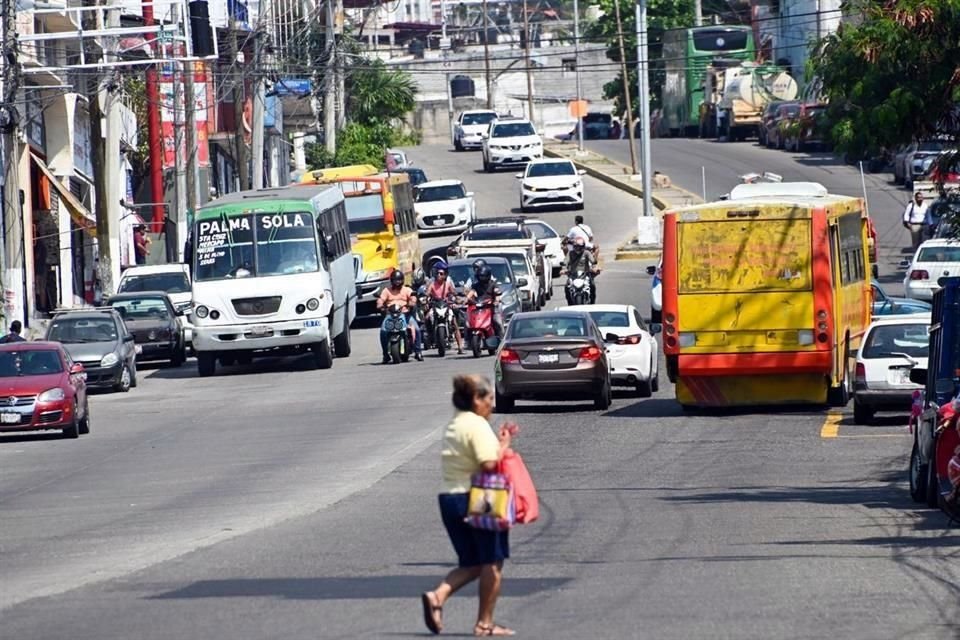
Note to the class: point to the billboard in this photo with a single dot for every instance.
(173, 113)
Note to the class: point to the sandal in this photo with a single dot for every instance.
(492, 630)
(432, 612)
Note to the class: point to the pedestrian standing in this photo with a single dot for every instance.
(470, 446)
(14, 335)
(141, 244)
(913, 218)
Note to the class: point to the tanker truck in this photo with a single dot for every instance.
(738, 94)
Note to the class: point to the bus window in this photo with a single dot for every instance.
(365, 213)
(719, 39)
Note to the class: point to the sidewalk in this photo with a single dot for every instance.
(619, 176)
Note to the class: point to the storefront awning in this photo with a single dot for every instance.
(78, 212)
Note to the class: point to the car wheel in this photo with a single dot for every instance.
(124, 383)
(644, 388)
(227, 361)
(456, 145)
(504, 404)
(486, 166)
(862, 414)
(73, 431)
(206, 364)
(604, 397)
(244, 359)
(655, 383)
(322, 355)
(917, 473)
(341, 343)
(178, 357)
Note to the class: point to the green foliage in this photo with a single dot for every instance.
(894, 77)
(135, 97)
(376, 94)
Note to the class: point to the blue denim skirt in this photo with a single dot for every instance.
(474, 547)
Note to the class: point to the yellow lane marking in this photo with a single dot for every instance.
(831, 426)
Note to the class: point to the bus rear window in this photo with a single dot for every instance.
(365, 214)
(744, 255)
(719, 40)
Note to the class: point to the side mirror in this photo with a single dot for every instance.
(485, 136)
(919, 376)
(518, 176)
(611, 337)
(469, 194)
(582, 172)
(943, 386)
(651, 270)
(76, 369)
(128, 338)
(522, 282)
(655, 328)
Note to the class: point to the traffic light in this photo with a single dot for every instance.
(201, 34)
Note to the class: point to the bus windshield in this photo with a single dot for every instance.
(719, 40)
(365, 213)
(250, 245)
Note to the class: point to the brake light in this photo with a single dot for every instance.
(861, 375)
(509, 356)
(590, 354)
(919, 274)
(629, 340)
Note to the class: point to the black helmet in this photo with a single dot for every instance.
(479, 264)
(396, 278)
(484, 274)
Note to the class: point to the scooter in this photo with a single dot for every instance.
(441, 326)
(399, 340)
(479, 328)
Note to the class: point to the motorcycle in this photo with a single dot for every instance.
(441, 326)
(947, 458)
(479, 330)
(399, 340)
(578, 287)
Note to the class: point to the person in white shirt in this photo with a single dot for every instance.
(913, 218)
(580, 230)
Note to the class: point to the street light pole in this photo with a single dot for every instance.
(526, 52)
(486, 53)
(576, 57)
(644, 97)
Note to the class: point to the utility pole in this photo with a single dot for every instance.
(338, 67)
(238, 91)
(698, 13)
(626, 90)
(154, 130)
(180, 152)
(258, 116)
(98, 160)
(190, 116)
(644, 97)
(576, 57)
(486, 53)
(526, 53)
(14, 271)
(329, 82)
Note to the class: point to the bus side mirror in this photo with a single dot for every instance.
(919, 376)
(651, 270)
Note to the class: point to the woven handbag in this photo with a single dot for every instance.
(491, 504)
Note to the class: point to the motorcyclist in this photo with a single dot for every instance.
(486, 290)
(581, 260)
(580, 230)
(440, 288)
(398, 293)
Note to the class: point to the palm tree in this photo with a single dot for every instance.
(376, 94)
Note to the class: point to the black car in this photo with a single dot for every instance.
(99, 340)
(152, 319)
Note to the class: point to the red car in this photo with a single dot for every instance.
(41, 389)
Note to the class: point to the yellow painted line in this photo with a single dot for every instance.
(831, 426)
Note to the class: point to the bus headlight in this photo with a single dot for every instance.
(313, 304)
(378, 275)
(688, 339)
(201, 311)
(805, 337)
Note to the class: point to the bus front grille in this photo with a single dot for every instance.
(256, 306)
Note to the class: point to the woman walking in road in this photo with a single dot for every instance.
(470, 446)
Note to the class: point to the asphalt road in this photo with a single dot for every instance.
(685, 160)
(279, 503)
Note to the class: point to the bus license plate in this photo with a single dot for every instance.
(312, 323)
(261, 331)
(9, 418)
(549, 358)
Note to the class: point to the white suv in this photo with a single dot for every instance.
(510, 142)
(469, 128)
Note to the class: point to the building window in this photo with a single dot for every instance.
(569, 64)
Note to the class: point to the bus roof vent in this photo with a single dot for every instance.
(775, 189)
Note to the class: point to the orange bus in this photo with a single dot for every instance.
(766, 296)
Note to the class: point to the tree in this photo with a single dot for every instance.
(894, 77)
(378, 95)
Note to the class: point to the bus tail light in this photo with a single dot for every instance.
(822, 326)
(861, 375)
(805, 337)
(671, 342)
(919, 274)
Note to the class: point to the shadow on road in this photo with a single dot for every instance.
(31, 436)
(340, 588)
(669, 408)
(648, 408)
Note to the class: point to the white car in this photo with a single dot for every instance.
(891, 347)
(933, 260)
(469, 128)
(552, 244)
(444, 205)
(549, 183)
(174, 279)
(534, 294)
(656, 291)
(510, 142)
(633, 355)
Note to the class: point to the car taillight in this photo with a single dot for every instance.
(861, 375)
(919, 274)
(590, 354)
(509, 356)
(629, 339)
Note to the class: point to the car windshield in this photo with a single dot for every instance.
(459, 274)
(440, 193)
(544, 169)
(141, 309)
(250, 245)
(551, 327)
(939, 254)
(81, 330)
(513, 129)
(33, 362)
(478, 118)
(365, 214)
(934, 145)
(168, 282)
(517, 262)
(495, 233)
(884, 341)
(541, 230)
(611, 318)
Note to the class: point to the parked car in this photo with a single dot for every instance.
(560, 355)
(632, 348)
(783, 119)
(417, 176)
(173, 279)
(469, 128)
(904, 158)
(43, 389)
(444, 205)
(884, 305)
(766, 121)
(934, 259)
(808, 129)
(551, 182)
(891, 347)
(460, 273)
(509, 143)
(97, 339)
(397, 160)
(151, 318)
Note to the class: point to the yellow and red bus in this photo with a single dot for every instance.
(766, 296)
